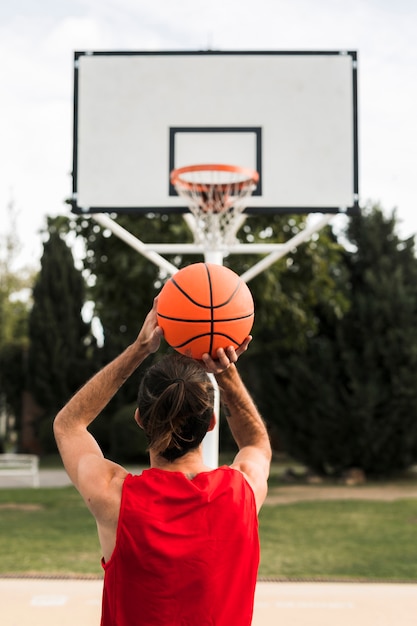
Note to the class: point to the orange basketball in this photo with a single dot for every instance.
(204, 307)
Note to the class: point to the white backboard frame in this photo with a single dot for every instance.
(290, 115)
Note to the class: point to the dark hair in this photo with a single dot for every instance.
(176, 404)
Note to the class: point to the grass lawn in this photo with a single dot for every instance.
(340, 539)
(50, 531)
(47, 531)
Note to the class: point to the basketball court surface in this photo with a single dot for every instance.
(25, 602)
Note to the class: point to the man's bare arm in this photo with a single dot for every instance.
(76, 445)
(245, 422)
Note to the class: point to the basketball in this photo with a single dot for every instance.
(204, 307)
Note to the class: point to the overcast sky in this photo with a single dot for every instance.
(38, 38)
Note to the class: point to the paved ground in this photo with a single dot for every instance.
(48, 478)
(28, 602)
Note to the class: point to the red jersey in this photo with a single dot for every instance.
(187, 551)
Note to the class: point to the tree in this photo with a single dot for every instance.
(123, 283)
(14, 313)
(350, 401)
(62, 346)
(13, 309)
(286, 296)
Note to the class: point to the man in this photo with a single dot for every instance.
(180, 542)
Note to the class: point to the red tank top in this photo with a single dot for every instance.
(187, 551)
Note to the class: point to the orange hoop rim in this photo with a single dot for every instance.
(251, 177)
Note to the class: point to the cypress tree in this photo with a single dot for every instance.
(61, 344)
(14, 314)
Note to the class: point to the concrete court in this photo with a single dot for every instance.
(51, 602)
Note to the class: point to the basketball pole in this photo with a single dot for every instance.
(212, 439)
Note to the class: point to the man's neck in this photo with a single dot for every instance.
(190, 464)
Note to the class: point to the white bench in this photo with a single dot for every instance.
(20, 465)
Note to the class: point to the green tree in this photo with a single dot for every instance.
(14, 312)
(286, 295)
(350, 400)
(14, 283)
(288, 298)
(123, 283)
(62, 346)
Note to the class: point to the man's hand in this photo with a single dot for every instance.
(224, 357)
(150, 334)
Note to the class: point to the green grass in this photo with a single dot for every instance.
(50, 531)
(47, 531)
(340, 540)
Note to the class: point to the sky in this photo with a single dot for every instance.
(37, 43)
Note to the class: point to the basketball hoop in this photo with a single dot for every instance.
(216, 195)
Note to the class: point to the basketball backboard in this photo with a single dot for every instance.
(292, 116)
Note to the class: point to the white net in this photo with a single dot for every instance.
(216, 195)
